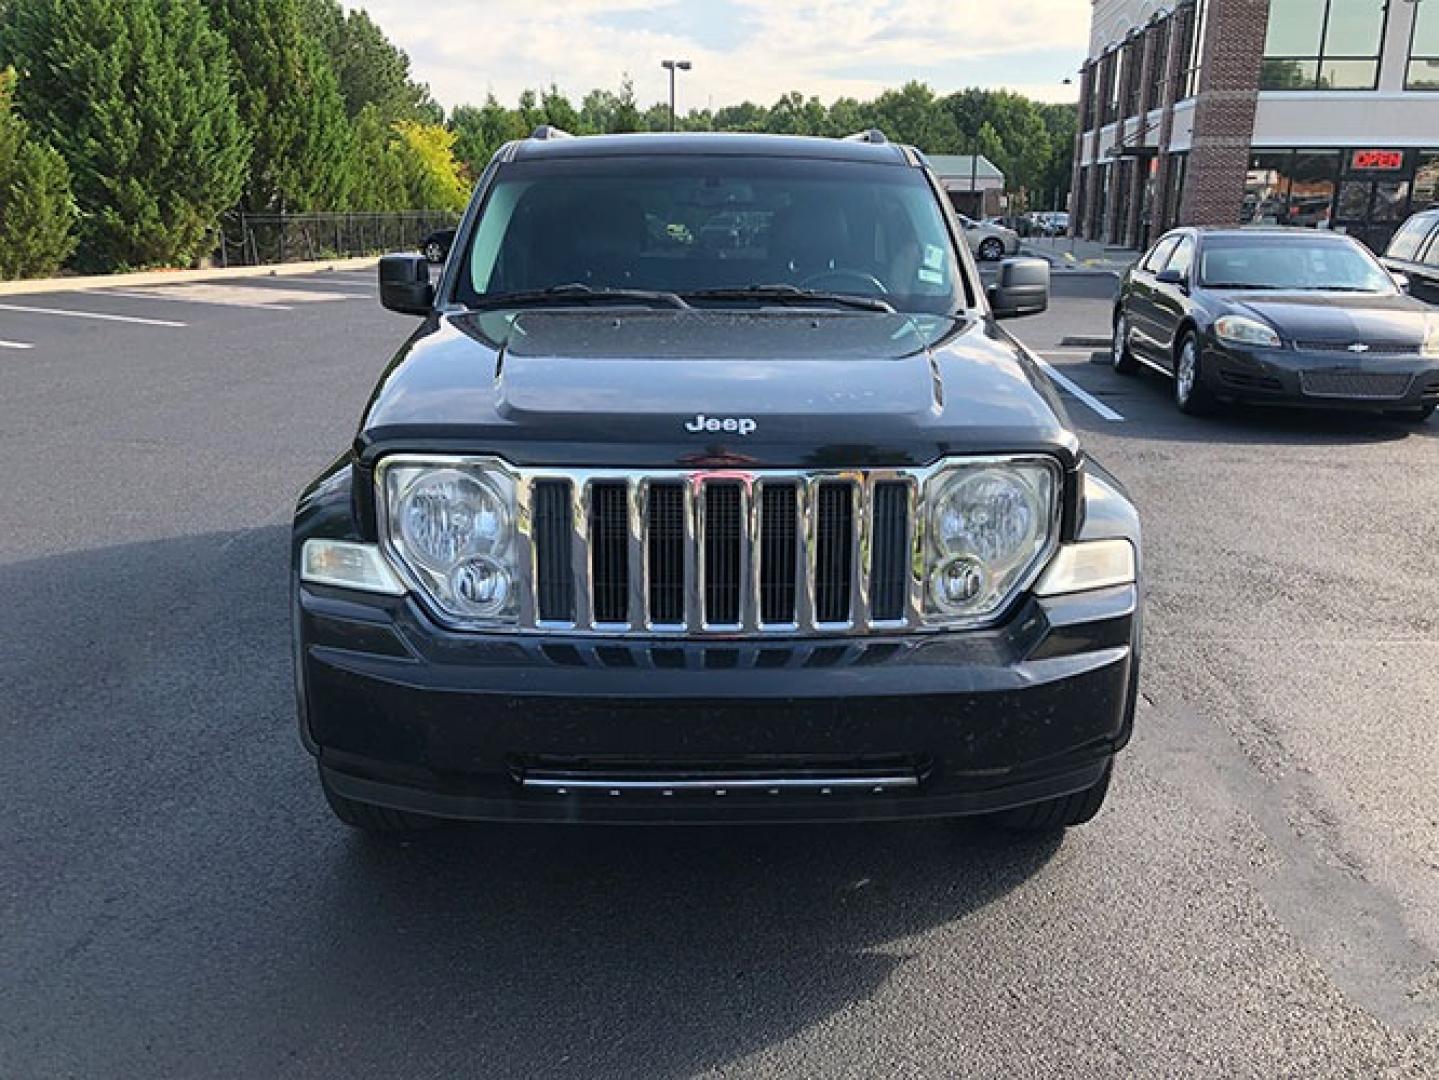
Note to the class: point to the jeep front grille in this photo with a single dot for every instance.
(719, 552)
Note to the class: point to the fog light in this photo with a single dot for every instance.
(958, 582)
(481, 585)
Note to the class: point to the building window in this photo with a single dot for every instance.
(1426, 180)
(1133, 69)
(1117, 67)
(1423, 71)
(1323, 45)
(1290, 187)
(1194, 56)
(1161, 32)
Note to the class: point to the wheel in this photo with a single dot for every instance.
(1065, 812)
(991, 249)
(434, 253)
(1413, 416)
(376, 820)
(1190, 393)
(1120, 355)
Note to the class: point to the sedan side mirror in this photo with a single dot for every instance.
(1172, 277)
(1022, 288)
(405, 284)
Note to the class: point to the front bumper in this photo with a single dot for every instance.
(406, 714)
(1321, 379)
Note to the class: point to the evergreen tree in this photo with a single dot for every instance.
(135, 96)
(371, 70)
(37, 211)
(290, 101)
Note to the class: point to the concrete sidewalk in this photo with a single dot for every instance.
(175, 277)
(1079, 256)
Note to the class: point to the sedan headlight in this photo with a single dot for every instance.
(450, 526)
(1431, 339)
(989, 524)
(1242, 330)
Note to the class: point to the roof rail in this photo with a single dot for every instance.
(549, 131)
(873, 135)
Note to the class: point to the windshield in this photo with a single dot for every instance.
(692, 224)
(1324, 263)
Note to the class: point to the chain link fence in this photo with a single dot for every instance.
(261, 239)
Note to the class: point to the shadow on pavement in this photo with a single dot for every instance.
(178, 902)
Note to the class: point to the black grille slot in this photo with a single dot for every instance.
(722, 553)
(1355, 384)
(667, 553)
(609, 551)
(778, 529)
(554, 575)
(832, 552)
(887, 560)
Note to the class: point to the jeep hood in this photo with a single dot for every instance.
(635, 388)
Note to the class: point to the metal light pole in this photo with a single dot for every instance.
(671, 66)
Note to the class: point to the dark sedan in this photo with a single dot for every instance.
(436, 246)
(1289, 316)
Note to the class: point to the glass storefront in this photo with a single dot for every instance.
(1366, 192)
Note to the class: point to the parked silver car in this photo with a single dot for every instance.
(989, 243)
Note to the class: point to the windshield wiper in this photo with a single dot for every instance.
(793, 294)
(1245, 286)
(578, 293)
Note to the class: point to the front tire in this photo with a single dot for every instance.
(1190, 393)
(375, 820)
(991, 250)
(1120, 355)
(1052, 815)
(434, 253)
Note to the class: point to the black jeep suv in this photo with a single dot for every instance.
(639, 528)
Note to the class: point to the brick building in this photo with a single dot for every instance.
(1321, 113)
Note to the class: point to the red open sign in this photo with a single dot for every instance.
(1377, 159)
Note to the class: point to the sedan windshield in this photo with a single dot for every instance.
(1291, 263)
(715, 231)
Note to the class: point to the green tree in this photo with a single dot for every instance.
(370, 69)
(435, 180)
(37, 211)
(290, 101)
(479, 132)
(135, 95)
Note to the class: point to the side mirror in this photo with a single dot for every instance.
(405, 284)
(1172, 277)
(1022, 288)
(1400, 279)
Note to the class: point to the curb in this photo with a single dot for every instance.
(176, 277)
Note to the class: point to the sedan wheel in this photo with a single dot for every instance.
(434, 253)
(992, 249)
(1119, 353)
(1190, 393)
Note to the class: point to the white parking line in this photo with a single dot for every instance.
(15, 345)
(88, 315)
(1104, 411)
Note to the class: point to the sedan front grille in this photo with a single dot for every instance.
(1370, 385)
(720, 552)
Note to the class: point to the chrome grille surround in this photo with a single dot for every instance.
(806, 485)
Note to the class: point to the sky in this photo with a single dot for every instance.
(752, 50)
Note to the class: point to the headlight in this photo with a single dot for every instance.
(1241, 330)
(450, 525)
(988, 526)
(1431, 339)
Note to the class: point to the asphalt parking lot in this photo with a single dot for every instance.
(1259, 897)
